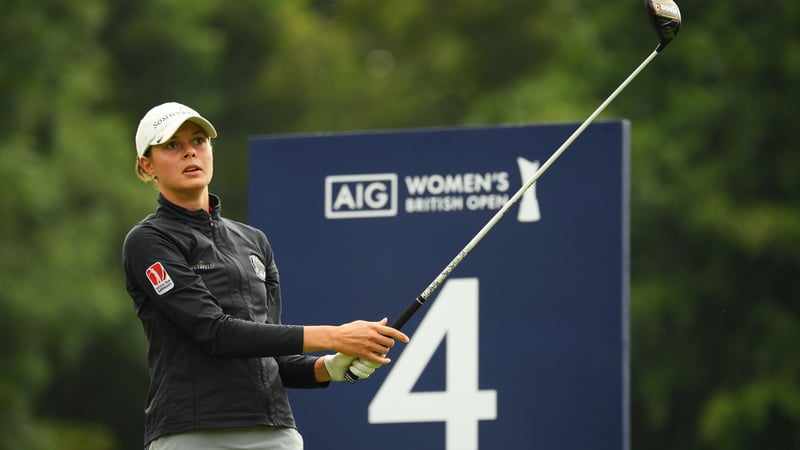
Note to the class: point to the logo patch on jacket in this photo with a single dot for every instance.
(159, 278)
(258, 266)
(202, 266)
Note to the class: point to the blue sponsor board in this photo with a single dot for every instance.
(526, 343)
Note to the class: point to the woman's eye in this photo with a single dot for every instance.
(171, 145)
(199, 140)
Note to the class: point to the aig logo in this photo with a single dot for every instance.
(357, 196)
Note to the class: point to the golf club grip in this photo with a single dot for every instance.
(412, 308)
(397, 324)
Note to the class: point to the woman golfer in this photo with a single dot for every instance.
(207, 292)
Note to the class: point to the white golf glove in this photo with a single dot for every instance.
(337, 365)
(363, 368)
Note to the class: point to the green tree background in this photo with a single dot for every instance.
(715, 185)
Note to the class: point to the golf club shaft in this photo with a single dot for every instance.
(515, 198)
(420, 300)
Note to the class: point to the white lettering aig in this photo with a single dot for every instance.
(357, 196)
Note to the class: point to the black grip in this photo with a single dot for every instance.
(397, 324)
(401, 321)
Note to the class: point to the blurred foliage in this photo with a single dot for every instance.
(715, 223)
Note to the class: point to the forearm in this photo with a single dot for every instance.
(300, 371)
(320, 371)
(318, 337)
(230, 337)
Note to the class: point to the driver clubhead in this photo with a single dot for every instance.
(666, 18)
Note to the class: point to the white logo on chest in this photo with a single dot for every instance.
(258, 267)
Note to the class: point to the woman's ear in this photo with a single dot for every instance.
(146, 165)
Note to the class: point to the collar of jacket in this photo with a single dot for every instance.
(197, 219)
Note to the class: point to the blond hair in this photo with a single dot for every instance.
(140, 173)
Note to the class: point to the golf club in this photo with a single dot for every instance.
(666, 18)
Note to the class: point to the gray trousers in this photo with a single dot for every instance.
(256, 438)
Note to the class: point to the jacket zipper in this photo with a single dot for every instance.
(241, 276)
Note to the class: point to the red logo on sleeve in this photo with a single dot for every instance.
(159, 278)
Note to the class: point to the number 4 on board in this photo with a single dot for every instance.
(453, 314)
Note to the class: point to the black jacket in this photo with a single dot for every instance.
(207, 292)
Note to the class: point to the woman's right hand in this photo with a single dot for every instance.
(367, 340)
